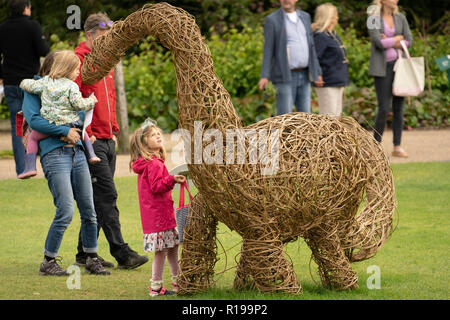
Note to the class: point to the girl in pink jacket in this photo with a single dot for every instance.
(155, 185)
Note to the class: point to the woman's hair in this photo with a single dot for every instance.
(47, 64)
(65, 62)
(138, 147)
(380, 7)
(323, 17)
(97, 21)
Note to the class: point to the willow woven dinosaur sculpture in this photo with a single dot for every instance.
(325, 168)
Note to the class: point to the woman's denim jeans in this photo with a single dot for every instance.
(296, 92)
(67, 173)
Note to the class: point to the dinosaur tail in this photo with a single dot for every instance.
(373, 226)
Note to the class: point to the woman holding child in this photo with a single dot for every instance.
(66, 170)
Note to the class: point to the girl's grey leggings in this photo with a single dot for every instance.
(383, 88)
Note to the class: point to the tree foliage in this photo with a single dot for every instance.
(221, 15)
(234, 33)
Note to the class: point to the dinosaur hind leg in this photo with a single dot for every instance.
(199, 250)
(334, 267)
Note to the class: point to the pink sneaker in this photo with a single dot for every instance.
(160, 292)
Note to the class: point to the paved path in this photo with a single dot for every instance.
(422, 146)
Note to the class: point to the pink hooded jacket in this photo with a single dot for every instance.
(155, 186)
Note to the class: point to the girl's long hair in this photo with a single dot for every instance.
(323, 16)
(138, 147)
(65, 62)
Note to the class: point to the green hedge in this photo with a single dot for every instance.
(151, 83)
(150, 80)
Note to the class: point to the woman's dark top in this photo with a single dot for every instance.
(331, 59)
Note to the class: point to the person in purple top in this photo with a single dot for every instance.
(390, 29)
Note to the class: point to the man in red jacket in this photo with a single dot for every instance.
(103, 132)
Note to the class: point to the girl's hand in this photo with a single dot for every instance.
(179, 179)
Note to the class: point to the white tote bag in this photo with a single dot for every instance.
(409, 79)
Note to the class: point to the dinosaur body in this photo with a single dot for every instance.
(325, 167)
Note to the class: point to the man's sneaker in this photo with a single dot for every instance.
(94, 266)
(81, 261)
(160, 292)
(52, 268)
(134, 260)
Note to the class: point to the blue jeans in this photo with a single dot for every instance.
(67, 173)
(296, 92)
(14, 99)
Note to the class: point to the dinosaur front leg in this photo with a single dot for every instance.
(334, 267)
(199, 250)
(263, 259)
(243, 280)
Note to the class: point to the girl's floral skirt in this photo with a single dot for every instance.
(159, 241)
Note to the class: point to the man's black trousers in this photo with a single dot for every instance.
(105, 197)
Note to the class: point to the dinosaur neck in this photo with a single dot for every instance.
(201, 94)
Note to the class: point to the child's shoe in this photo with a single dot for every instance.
(159, 292)
(174, 287)
(30, 166)
(92, 157)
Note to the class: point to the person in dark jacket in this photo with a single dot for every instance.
(21, 45)
(104, 131)
(289, 58)
(332, 58)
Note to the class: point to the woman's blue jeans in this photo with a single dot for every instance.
(296, 92)
(67, 172)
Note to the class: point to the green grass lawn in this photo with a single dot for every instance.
(414, 263)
